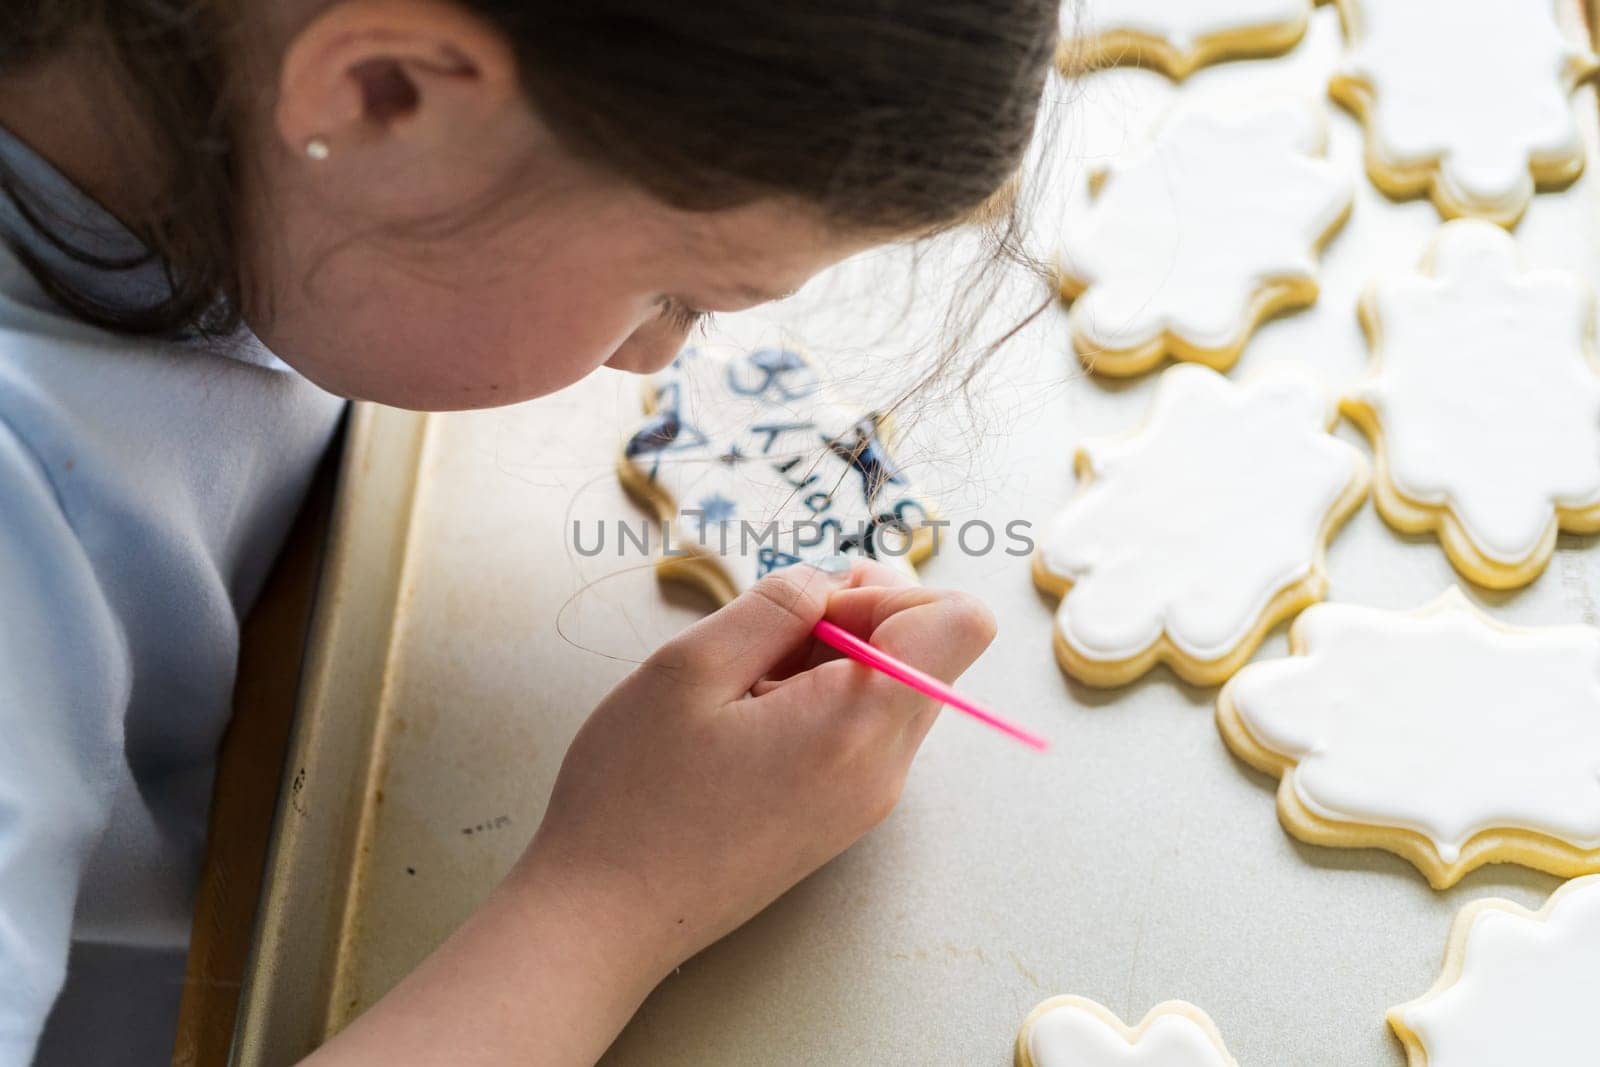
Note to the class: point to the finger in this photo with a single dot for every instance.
(938, 631)
(864, 573)
(945, 647)
(728, 651)
(871, 572)
(966, 624)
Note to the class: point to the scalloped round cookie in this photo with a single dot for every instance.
(1190, 538)
(1439, 734)
(1073, 1031)
(1156, 268)
(751, 467)
(1518, 986)
(1483, 404)
(1175, 37)
(1468, 101)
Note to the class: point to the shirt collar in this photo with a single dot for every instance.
(60, 226)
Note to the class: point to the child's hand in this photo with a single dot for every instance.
(738, 759)
(744, 754)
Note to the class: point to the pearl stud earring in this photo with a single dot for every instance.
(317, 149)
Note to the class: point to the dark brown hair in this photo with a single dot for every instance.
(895, 115)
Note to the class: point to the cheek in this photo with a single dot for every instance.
(426, 348)
(496, 326)
(529, 337)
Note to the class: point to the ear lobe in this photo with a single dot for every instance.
(363, 65)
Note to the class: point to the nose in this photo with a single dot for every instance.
(651, 347)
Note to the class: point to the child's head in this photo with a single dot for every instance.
(448, 204)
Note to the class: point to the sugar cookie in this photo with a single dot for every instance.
(1074, 1031)
(751, 468)
(1191, 240)
(1519, 986)
(1439, 735)
(1484, 404)
(1466, 100)
(1176, 36)
(1190, 538)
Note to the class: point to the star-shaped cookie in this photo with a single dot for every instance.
(751, 467)
(1189, 539)
(1175, 37)
(1191, 240)
(1073, 1031)
(1519, 987)
(1483, 404)
(1466, 100)
(1439, 735)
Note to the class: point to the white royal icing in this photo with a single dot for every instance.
(755, 440)
(1074, 1035)
(1182, 24)
(1186, 231)
(1485, 392)
(1193, 524)
(1438, 721)
(1527, 990)
(1481, 86)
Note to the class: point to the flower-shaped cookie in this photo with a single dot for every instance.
(1073, 1031)
(1176, 36)
(1466, 100)
(1518, 987)
(752, 468)
(1188, 540)
(1191, 240)
(1484, 404)
(1439, 735)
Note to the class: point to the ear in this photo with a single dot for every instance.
(367, 69)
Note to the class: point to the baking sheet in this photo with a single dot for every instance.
(463, 641)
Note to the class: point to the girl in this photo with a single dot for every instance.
(223, 215)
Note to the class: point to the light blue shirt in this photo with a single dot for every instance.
(145, 488)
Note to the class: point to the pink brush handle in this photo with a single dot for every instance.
(858, 650)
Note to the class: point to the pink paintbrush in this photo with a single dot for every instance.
(851, 645)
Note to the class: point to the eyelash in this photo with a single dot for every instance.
(681, 316)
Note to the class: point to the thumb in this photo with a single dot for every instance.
(731, 649)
